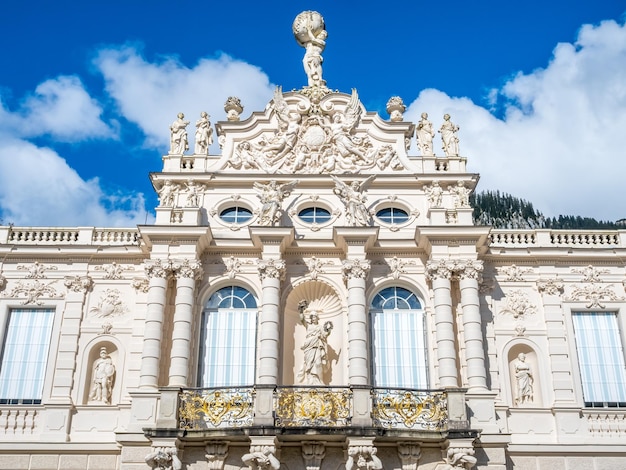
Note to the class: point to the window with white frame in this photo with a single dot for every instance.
(228, 339)
(601, 358)
(398, 339)
(25, 355)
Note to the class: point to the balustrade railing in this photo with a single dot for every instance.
(319, 407)
(68, 236)
(556, 238)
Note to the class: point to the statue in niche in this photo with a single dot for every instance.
(103, 375)
(271, 196)
(310, 33)
(523, 380)
(354, 200)
(167, 193)
(178, 139)
(204, 135)
(315, 346)
(435, 194)
(450, 140)
(424, 133)
(461, 194)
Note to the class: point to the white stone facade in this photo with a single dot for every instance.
(315, 208)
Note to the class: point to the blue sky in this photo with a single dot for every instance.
(88, 90)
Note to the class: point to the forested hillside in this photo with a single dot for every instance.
(502, 210)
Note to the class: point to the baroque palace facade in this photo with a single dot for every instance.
(315, 296)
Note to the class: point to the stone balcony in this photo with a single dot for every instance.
(327, 411)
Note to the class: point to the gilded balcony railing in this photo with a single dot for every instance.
(410, 409)
(205, 408)
(313, 406)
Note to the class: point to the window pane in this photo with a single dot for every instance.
(228, 343)
(25, 355)
(396, 298)
(600, 357)
(392, 215)
(314, 215)
(236, 215)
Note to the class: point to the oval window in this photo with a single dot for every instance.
(314, 215)
(392, 215)
(236, 215)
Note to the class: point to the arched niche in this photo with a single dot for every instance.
(323, 299)
(524, 376)
(93, 359)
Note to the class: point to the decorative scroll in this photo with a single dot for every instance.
(330, 407)
(410, 409)
(216, 408)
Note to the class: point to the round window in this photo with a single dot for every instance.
(314, 215)
(392, 215)
(236, 215)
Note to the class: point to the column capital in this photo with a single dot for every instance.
(355, 268)
(158, 268)
(440, 269)
(273, 268)
(187, 269)
(469, 269)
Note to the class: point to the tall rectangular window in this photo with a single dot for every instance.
(601, 358)
(25, 355)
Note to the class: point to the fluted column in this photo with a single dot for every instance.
(355, 273)
(187, 273)
(469, 274)
(271, 272)
(158, 273)
(439, 273)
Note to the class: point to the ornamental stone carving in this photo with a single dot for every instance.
(313, 452)
(158, 268)
(233, 108)
(113, 270)
(398, 266)
(409, 454)
(3, 282)
(355, 268)
(216, 453)
(590, 274)
(424, 133)
(164, 458)
(189, 269)
(440, 269)
(515, 273)
(141, 284)
(550, 286)
(316, 266)
(313, 139)
(434, 192)
(354, 200)
(518, 303)
(110, 305)
(78, 283)
(261, 458)
(594, 295)
(36, 270)
(271, 196)
(363, 458)
(271, 268)
(179, 142)
(395, 109)
(33, 291)
(459, 458)
(449, 137)
(461, 195)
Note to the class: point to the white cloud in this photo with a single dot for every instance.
(60, 108)
(561, 142)
(37, 187)
(152, 94)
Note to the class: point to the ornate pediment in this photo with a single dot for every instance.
(314, 133)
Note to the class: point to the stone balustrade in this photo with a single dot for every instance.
(18, 421)
(68, 236)
(546, 238)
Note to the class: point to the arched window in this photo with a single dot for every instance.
(228, 339)
(398, 339)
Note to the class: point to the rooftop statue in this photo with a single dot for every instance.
(425, 133)
(204, 135)
(310, 33)
(178, 138)
(450, 140)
